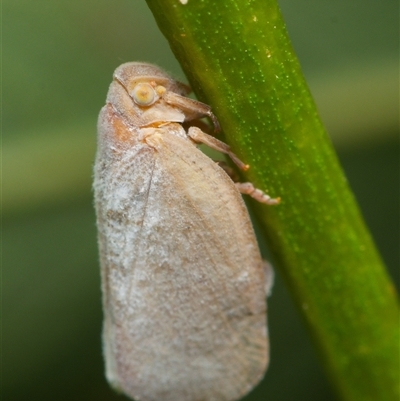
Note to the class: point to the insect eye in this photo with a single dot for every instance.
(143, 94)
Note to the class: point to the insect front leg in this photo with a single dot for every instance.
(199, 136)
(192, 108)
(246, 188)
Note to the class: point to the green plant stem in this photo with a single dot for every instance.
(238, 58)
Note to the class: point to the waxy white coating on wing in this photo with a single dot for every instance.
(182, 277)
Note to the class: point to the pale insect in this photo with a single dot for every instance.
(183, 281)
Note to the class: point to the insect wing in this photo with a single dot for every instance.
(182, 276)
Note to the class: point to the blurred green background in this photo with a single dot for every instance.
(58, 59)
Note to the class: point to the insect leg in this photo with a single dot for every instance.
(269, 277)
(228, 170)
(193, 109)
(201, 137)
(248, 188)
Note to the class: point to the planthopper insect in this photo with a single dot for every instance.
(183, 282)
